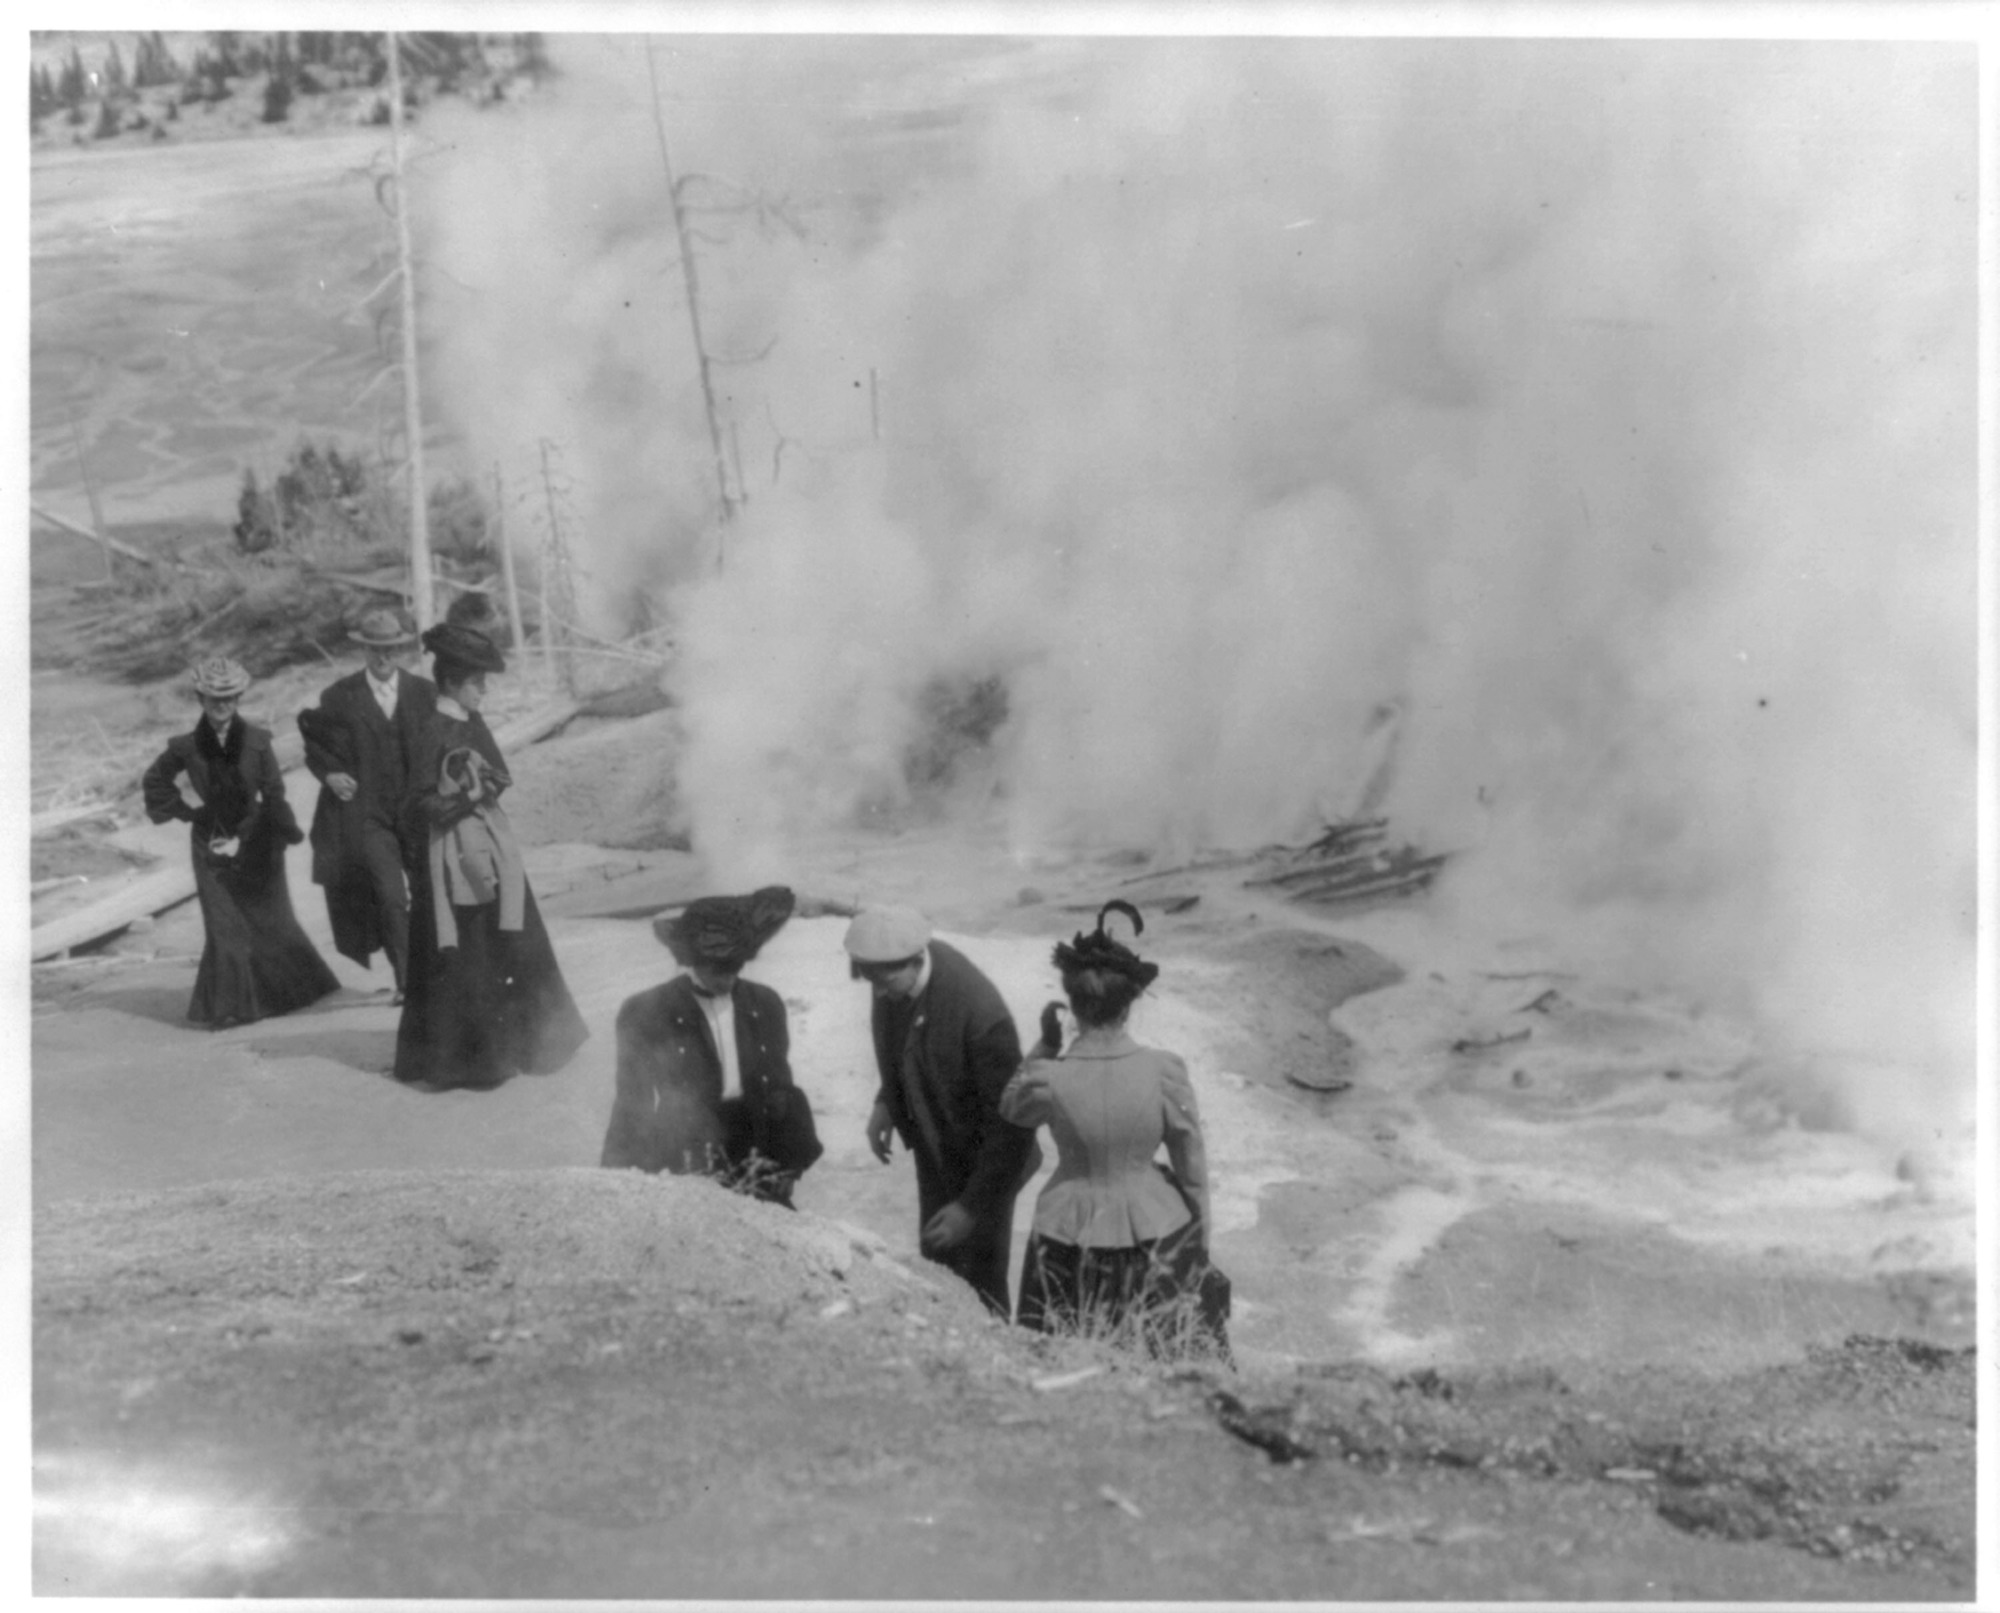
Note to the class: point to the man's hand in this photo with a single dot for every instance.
(880, 1129)
(950, 1227)
(342, 785)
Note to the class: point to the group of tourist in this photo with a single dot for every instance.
(1119, 1244)
(418, 861)
(410, 843)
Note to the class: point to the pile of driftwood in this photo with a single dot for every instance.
(1349, 862)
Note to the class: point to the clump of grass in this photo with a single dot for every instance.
(756, 1177)
(1162, 1322)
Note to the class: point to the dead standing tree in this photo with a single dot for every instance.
(558, 588)
(680, 189)
(413, 414)
(392, 194)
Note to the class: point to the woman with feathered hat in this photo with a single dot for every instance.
(704, 1071)
(484, 998)
(1120, 1242)
(255, 960)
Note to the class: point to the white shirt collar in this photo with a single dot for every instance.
(451, 708)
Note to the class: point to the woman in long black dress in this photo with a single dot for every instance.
(255, 961)
(484, 998)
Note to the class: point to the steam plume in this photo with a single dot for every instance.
(1608, 408)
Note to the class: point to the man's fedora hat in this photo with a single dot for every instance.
(382, 630)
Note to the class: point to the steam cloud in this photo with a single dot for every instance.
(1607, 408)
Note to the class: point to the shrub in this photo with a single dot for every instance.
(277, 98)
(456, 513)
(256, 528)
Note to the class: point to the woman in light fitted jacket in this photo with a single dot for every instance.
(1120, 1241)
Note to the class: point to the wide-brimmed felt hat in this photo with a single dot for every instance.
(382, 629)
(464, 649)
(724, 932)
(887, 934)
(1097, 950)
(221, 678)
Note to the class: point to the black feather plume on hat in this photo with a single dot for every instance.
(1098, 950)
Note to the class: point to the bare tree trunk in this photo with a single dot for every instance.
(689, 268)
(507, 566)
(90, 493)
(413, 414)
(558, 591)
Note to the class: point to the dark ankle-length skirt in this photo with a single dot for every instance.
(1162, 1296)
(255, 960)
(490, 1008)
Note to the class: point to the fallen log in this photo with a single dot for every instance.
(167, 887)
(139, 898)
(1332, 867)
(1394, 884)
(379, 583)
(1413, 876)
(1223, 859)
(538, 724)
(1341, 835)
(56, 817)
(112, 544)
(42, 887)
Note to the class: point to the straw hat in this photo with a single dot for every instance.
(220, 678)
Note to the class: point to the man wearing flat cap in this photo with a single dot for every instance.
(945, 1048)
(360, 743)
(704, 1074)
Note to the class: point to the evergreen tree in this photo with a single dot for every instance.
(153, 63)
(75, 82)
(114, 70)
(277, 96)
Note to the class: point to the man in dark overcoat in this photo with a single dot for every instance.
(360, 743)
(704, 1072)
(945, 1047)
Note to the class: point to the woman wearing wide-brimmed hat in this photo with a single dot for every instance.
(705, 1082)
(256, 961)
(1120, 1241)
(484, 999)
